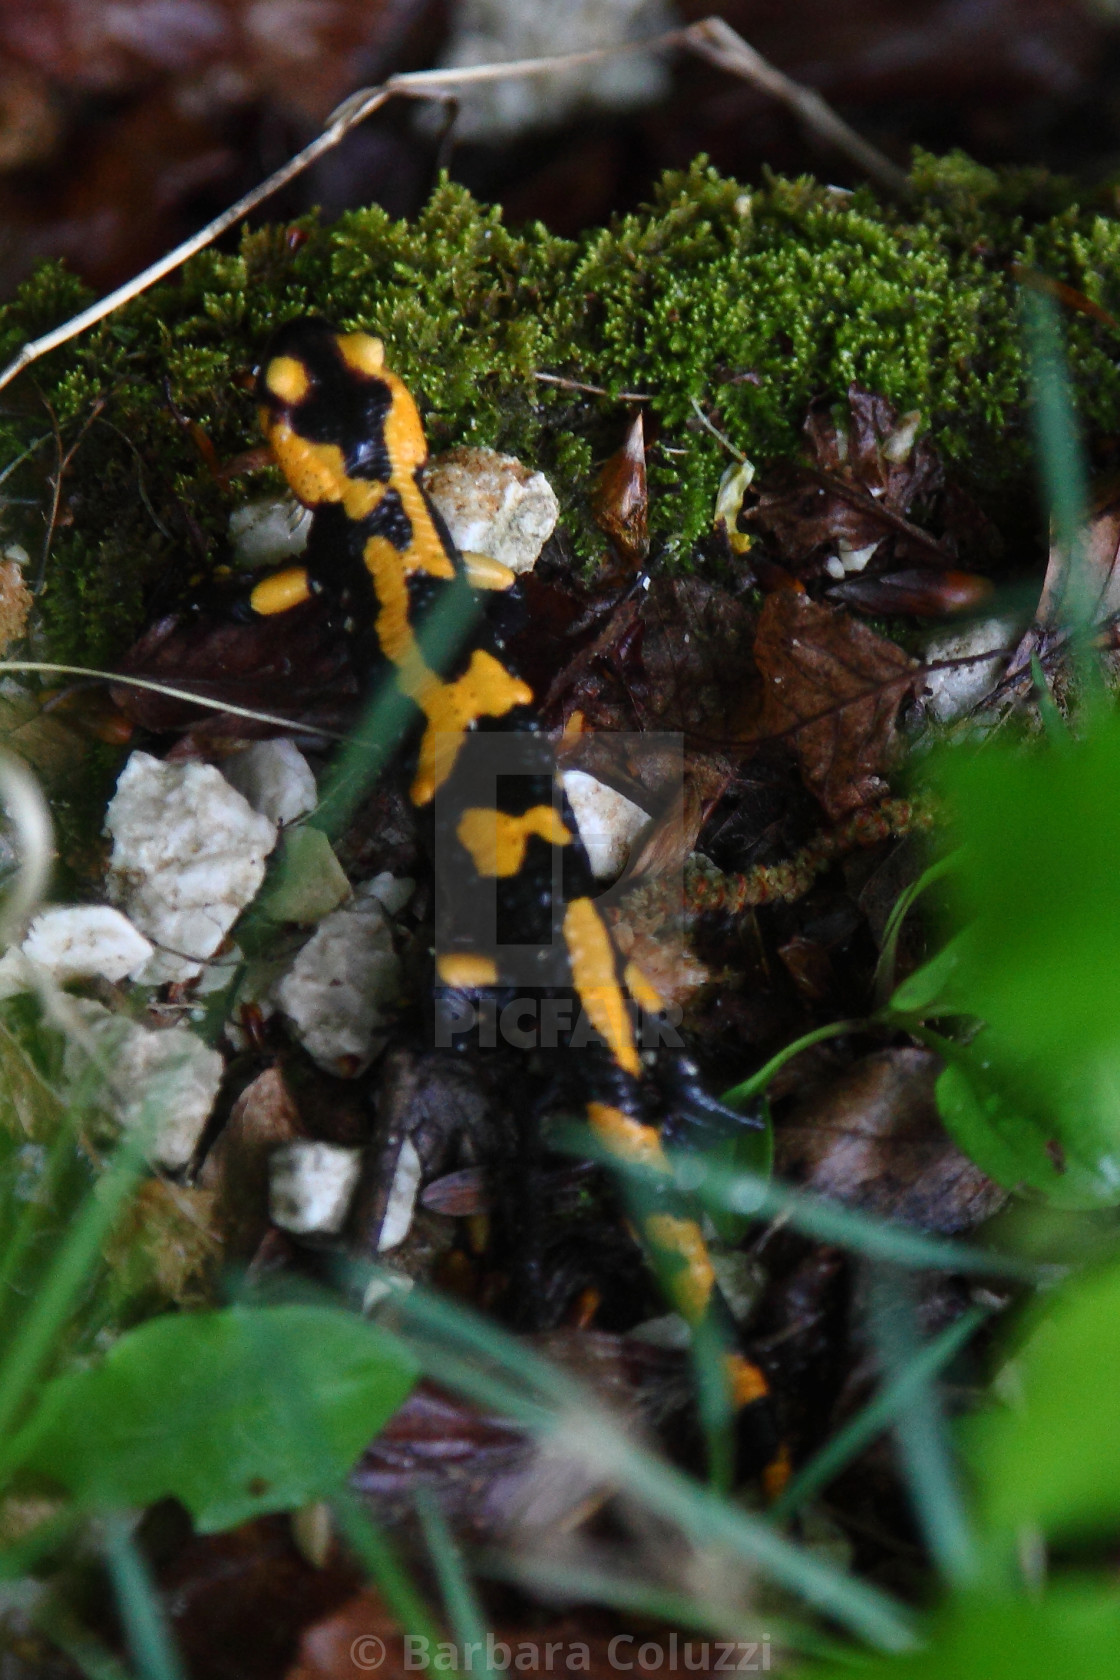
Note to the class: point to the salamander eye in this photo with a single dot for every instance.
(285, 380)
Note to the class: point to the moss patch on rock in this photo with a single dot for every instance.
(746, 301)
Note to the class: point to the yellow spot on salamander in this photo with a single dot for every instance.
(287, 379)
(486, 688)
(497, 841)
(641, 989)
(317, 471)
(682, 1239)
(629, 1139)
(592, 959)
(276, 594)
(485, 573)
(466, 970)
(746, 1381)
(775, 1477)
(408, 451)
(362, 352)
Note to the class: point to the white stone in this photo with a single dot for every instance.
(493, 505)
(391, 891)
(488, 31)
(957, 688)
(401, 1200)
(335, 992)
(608, 822)
(855, 559)
(75, 941)
(266, 532)
(188, 856)
(164, 1080)
(275, 778)
(311, 1186)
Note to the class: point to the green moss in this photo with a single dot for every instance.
(746, 302)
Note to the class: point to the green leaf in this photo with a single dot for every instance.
(308, 881)
(930, 989)
(1052, 1462)
(1038, 895)
(234, 1412)
(1073, 1630)
(1015, 1147)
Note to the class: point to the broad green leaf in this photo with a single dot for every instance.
(1052, 1460)
(1038, 893)
(1073, 1631)
(1019, 1148)
(234, 1412)
(308, 881)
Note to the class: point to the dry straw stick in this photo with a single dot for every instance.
(713, 40)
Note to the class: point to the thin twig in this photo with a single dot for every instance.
(23, 456)
(720, 437)
(711, 39)
(204, 700)
(592, 390)
(56, 495)
(716, 41)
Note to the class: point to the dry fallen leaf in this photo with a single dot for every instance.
(833, 687)
(873, 1139)
(236, 1168)
(619, 500)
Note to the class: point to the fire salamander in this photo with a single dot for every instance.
(348, 437)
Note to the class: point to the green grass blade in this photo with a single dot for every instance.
(883, 983)
(887, 1406)
(382, 1564)
(581, 1426)
(361, 761)
(48, 1314)
(928, 1462)
(461, 1602)
(149, 1638)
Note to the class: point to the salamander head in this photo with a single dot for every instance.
(323, 398)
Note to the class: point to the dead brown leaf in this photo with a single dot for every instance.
(619, 500)
(236, 1169)
(833, 688)
(873, 1139)
(855, 490)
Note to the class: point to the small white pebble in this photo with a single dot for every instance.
(74, 941)
(493, 505)
(275, 778)
(956, 688)
(266, 532)
(402, 1199)
(391, 891)
(608, 822)
(855, 559)
(188, 856)
(165, 1080)
(335, 992)
(311, 1186)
